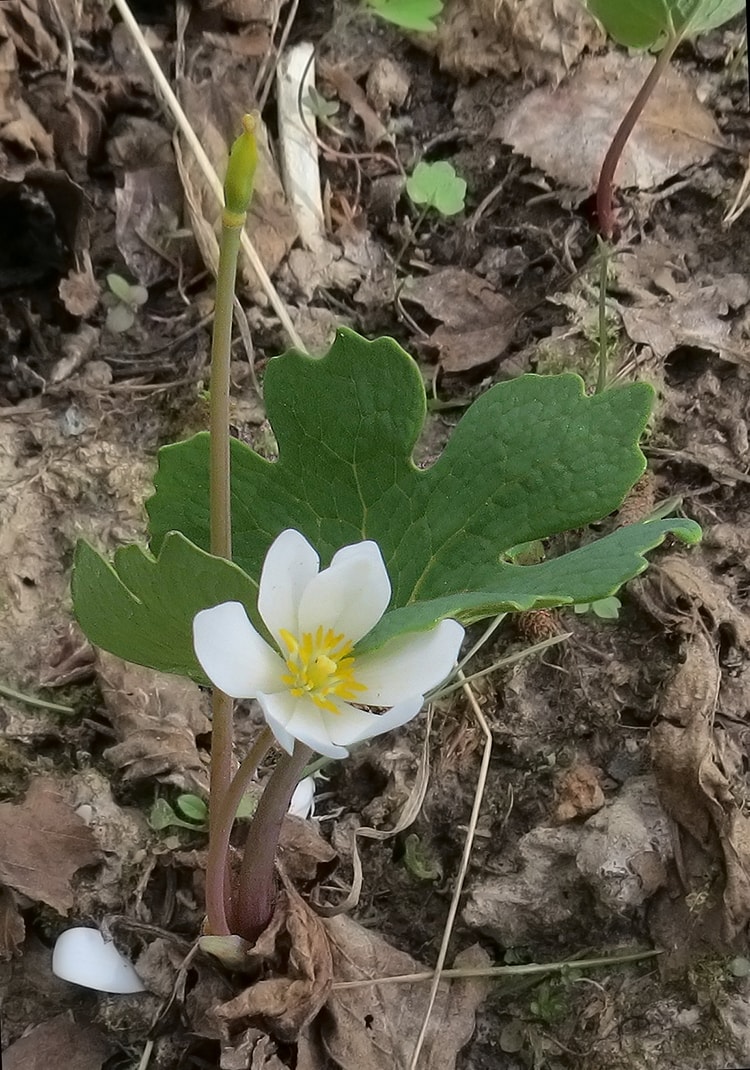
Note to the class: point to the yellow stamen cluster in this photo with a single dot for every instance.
(320, 666)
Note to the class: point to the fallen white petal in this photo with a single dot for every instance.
(290, 564)
(83, 956)
(409, 664)
(350, 596)
(234, 657)
(303, 798)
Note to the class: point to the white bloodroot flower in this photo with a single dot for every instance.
(306, 688)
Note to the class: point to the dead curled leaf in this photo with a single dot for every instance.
(543, 38)
(285, 1003)
(12, 928)
(43, 843)
(693, 788)
(376, 1026)
(477, 324)
(156, 718)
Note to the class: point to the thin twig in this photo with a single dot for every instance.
(277, 53)
(183, 123)
(530, 968)
(511, 659)
(40, 703)
(453, 911)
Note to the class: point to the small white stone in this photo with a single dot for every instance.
(303, 799)
(84, 957)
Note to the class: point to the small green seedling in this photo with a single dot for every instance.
(551, 1002)
(660, 26)
(416, 15)
(420, 861)
(322, 108)
(604, 608)
(194, 812)
(122, 303)
(436, 185)
(433, 185)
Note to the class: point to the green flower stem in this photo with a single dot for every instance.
(604, 209)
(238, 191)
(218, 900)
(256, 894)
(221, 529)
(221, 521)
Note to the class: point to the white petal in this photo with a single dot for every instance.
(277, 710)
(308, 725)
(290, 564)
(234, 657)
(350, 596)
(302, 803)
(351, 725)
(408, 665)
(83, 956)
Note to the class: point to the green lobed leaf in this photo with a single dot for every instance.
(141, 608)
(532, 457)
(416, 15)
(648, 23)
(588, 574)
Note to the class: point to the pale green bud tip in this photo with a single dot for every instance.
(243, 159)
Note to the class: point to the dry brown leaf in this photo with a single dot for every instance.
(12, 927)
(567, 131)
(542, 38)
(43, 843)
(58, 1039)
(477, 323)
(75, 121)
(698, 317)
(347, 90)
(284, 1004)
(680, 578)
(303, 853)
(693, 789)
(375, 1027)
(30, 31)
(148, 212)
(156, 718)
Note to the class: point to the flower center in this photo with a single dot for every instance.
(319, 667)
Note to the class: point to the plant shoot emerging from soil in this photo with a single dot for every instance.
(661, 27)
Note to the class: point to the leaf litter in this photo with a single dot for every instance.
(564, 727)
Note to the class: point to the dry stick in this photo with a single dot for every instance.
(276, 54)
(478, 796)
(182, 121)
(604, 210)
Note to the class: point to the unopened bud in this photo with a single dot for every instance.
(243, 160)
